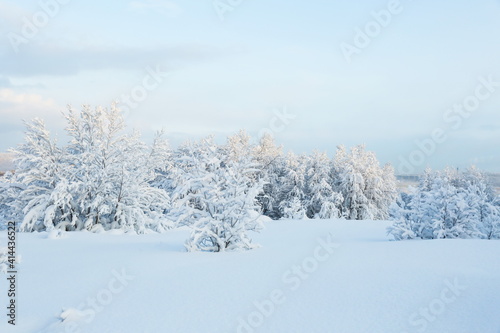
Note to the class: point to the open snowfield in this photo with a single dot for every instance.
(300, 280)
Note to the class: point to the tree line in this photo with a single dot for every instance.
(104, 178)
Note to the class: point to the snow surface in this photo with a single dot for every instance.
(366, 283)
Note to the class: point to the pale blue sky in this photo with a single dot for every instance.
(265, 55)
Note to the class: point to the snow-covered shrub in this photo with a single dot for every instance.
(99, 181)
(215, 194)
(448, 204)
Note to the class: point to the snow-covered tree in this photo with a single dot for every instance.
(161, 157)
(238, 146)
(448, 204)
(40, 171)
(9, 192)
(266, 151)
(401, 211)
(292, 199)
(482, 199)
(216, 196)
(322, 201)
(384, 191)
(99, 181)
(271, 162)
(368, 190)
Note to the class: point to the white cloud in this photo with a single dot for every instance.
(11, 97)
(15, 106)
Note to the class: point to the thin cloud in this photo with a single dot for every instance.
(59, 61)
(5, 82)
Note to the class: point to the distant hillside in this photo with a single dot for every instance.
(6, 163)
(405, 181)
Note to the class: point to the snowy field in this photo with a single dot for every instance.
(308, 276)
